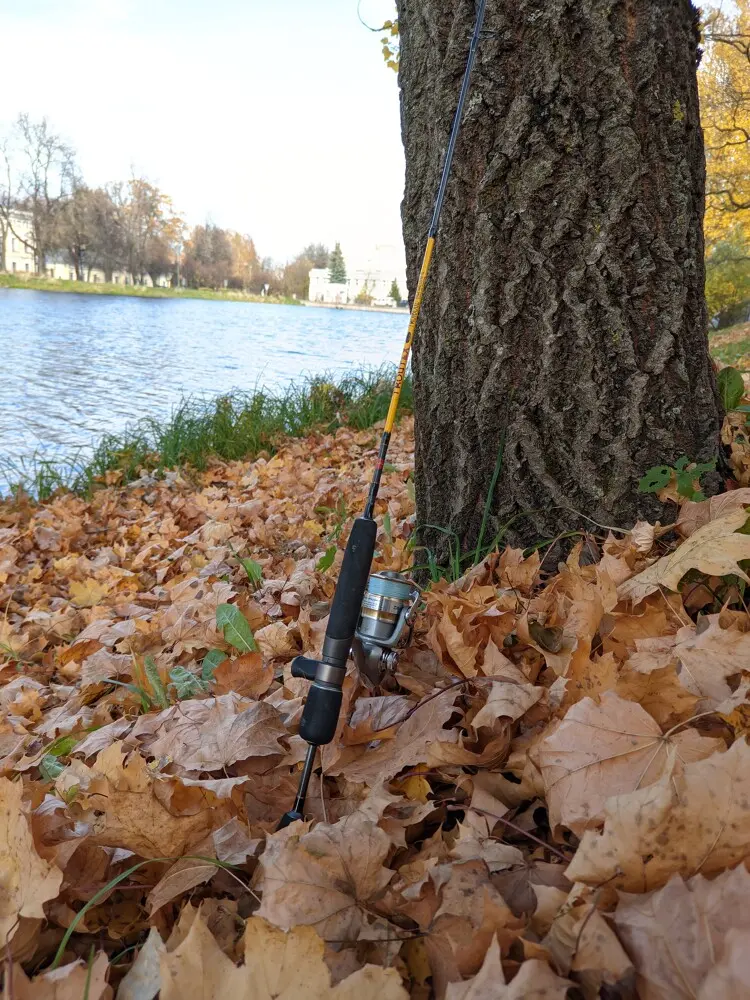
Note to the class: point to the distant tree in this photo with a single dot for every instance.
(295, 278)
(107, 245)
(75, 229)
(207, 261)
(317, 253)
(245, 262)
(337, 266)
(364, 296)
(39, 172)
(395, 293)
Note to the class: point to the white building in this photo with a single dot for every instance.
(19, 258)
(368, 281)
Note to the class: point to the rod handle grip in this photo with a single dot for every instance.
(350, 589)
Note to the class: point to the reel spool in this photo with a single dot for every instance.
(385, 620)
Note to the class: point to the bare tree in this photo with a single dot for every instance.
(39, 169)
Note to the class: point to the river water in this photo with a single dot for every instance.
(77, 366)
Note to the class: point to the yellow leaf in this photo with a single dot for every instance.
(415, 787)
(88, 593)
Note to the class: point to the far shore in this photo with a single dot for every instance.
(138, 291)
(147, 292)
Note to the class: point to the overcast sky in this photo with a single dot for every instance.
(273, 117)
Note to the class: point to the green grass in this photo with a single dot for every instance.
(732, 346)
(235, 426)
(136, 291)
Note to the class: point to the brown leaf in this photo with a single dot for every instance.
(695, 515)
(470, 913)
(277, 965)
(533, 981)
(230, 844)
(698, 821)
(507, 700)
(679, 936)
(322, 877)
(210, 734)
(608, 749)
(583, 945)
(129, 815)
(247, 676)
(714, 549)
(419, 740)
(705, 659)
(69, 982)
(27, 881)
(660, 693)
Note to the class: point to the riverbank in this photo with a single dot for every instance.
(356, 307)
(232, 427)
(137, 291)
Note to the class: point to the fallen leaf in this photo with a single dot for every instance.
(533, 981)
(419, 740)
(69, 982)
(679, 935)
(87, 593)
(28, 881)
(210, 734)
(608, 749)
(129, 815)
(324, 876)
(248, 676)
(714, 549)
(284, 965)
(695, 515)
(143, 979)
(697, 821)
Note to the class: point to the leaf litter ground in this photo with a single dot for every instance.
(550, 798)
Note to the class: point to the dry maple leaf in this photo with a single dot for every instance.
(470, 912)
(248, 675)
(582, 944)
(87, 594)
(278, 966)
(695, 515)
(678, 935)
(507, 700)
(608, 749)
(533, 981)
(130, 816)
(325, 876)
(69, 982)
(212, 733)
(697, 821)
(715, 549)
(231, 844)
(143, 978)
(705, 658)
(419, 740)
(26, 880)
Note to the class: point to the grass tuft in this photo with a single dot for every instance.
(232, 427)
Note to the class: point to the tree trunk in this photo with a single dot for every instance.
(564, 315)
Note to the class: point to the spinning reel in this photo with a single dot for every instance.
(384, 628)
(385, 623)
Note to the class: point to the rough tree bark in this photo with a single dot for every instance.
(565, 311)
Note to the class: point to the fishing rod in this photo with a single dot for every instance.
(371, 615)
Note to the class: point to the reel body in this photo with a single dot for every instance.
(385, 621)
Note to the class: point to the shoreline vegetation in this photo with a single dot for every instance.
(239, 425)
(139, 291)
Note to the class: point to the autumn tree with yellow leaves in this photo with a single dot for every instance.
(724, 82)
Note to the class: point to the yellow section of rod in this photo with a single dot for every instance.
(418, 296)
